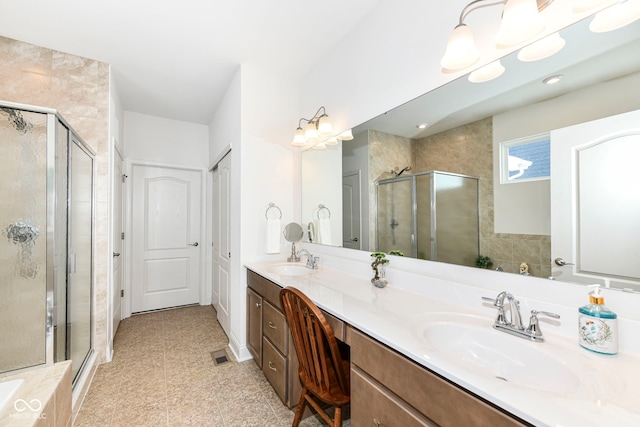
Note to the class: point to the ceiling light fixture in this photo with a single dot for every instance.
(521, 22)
(553, 79)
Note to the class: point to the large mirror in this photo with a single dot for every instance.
(397, 186)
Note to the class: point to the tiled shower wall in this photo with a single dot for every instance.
(466, 150)
(79, 89)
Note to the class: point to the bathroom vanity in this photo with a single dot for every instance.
(410, 355)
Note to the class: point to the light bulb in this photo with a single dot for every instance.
(521, 22)
(298, 138)
(310, 132)
(461, 50)
(347, 135)
(324, 125)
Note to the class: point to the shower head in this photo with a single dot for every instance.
(406, 168)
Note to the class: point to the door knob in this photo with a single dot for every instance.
(115, 254)
(561, 262)
(355, 239)
(194, 244)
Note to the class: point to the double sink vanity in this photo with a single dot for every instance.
(429, 354)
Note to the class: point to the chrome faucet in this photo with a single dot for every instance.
(312, 261)
(514, 325)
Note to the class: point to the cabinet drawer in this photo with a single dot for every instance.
(441, 401)
(336, 324)
(269, 290)
(274, 367)
(372, 405)
(275, 327)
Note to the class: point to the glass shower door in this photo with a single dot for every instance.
(80, 255)
(395, 220)
(23, 245)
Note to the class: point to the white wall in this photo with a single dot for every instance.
(257, 118)
(163, 141)
(525, 207)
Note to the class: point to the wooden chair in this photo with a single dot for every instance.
(324, 372)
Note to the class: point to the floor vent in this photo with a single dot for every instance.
(219, 357)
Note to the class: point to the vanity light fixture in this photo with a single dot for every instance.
(318, 132)
(318, 127)
(521, 22)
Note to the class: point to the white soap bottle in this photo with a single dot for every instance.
(597, 325)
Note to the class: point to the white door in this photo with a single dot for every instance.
(351, 236)
(118, 247)
(221, 242)
(166, 221)
(595, 202)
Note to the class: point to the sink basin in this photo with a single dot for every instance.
(473, 345)
(290, 269)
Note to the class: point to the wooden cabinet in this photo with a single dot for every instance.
(387, 389)
(254, 325)
(269, 340)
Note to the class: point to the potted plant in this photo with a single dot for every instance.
(379, 261)
(484, 262)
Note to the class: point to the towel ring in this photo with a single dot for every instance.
(272, 206)
(322, 207)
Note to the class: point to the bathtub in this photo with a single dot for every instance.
(7, 390)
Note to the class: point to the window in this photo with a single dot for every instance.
(525, 159)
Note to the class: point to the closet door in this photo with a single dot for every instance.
(80, 255)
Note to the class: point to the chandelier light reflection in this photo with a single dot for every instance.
(318, 131)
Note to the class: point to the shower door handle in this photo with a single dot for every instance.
(561, 262)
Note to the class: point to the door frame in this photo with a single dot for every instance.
(115, 155)
(128, 243)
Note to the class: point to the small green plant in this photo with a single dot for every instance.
(483, 261)
(396, 252)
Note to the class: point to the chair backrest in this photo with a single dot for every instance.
(321, 366)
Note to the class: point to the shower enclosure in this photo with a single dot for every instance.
(46, 221)
(429, 215)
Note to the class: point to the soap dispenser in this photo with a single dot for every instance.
(597, 325)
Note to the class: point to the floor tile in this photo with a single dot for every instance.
(163, 374)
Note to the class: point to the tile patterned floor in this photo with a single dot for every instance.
(162, 374)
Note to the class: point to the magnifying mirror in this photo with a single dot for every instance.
(293, 233)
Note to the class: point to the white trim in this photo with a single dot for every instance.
(221, 156)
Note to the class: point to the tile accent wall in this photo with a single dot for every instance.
(79, 89)
(466, 150)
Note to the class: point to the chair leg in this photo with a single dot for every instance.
(337, 417)
(300, 410)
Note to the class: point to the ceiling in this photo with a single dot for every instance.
(175, 59)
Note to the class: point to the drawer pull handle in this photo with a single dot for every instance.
(377, 423)
(258, 305)
(272, 326)
(271, 367)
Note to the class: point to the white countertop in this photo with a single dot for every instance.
(608, 391)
